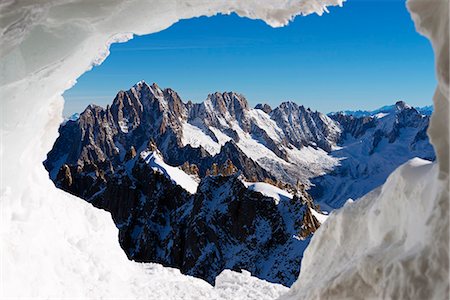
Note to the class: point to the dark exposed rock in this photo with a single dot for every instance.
(249, 168)
(356, 127)
(264, 107)
(64, 177)
(223, 226)
(303, 127)
(131, 153)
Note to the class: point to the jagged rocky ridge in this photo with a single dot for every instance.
(370, 148)
(224, 225)
(102, 157)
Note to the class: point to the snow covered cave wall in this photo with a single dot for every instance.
(54, 245)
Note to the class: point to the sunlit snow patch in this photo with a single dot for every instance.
(194, 136)
(320, 217)
(268, 190)
(155, 161)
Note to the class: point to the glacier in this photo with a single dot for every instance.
(55, 245)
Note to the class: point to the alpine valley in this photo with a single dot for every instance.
(219, 185)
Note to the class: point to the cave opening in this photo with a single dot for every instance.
(229, 144)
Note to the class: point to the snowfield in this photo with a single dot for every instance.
(54, 245)
(176, 175)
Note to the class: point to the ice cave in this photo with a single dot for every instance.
(399, 250)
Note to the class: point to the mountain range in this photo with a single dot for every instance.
(220, 185)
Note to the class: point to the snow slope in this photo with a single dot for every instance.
(390, 244)
(279, 195)
(178, 176)
(366, 160)
(268, 190)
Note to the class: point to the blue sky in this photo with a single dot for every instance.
(362, 56)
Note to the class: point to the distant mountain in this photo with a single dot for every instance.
(425, 110)
(370, 149)
(218, 184)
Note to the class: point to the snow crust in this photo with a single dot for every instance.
(54, 245)
(320, 217)
(178, 176)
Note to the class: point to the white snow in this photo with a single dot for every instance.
(320, 217)
(232, 285)
(123, 124)
(390, 244)
(194, 136)
(279, 195)
(381, 115)
(178, 176)
(221, 137)
(268, 190)
(54, 245)
(263, 121)
(253, 148)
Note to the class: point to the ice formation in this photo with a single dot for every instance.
(54, 245)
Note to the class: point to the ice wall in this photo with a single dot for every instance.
(431, 19)
(52, 244)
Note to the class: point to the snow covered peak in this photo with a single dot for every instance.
(303, 127)
(139, 83)
(230, 102)
(72, 117)
(398, 106)
(401, 105)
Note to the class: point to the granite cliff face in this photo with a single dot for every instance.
(218, 185)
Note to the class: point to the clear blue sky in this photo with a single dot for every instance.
(362, 56)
